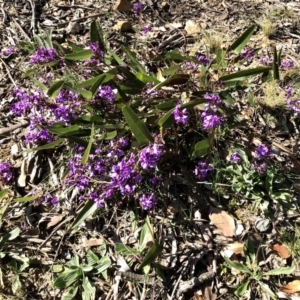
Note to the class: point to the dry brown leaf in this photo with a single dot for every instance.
(123, 26)
(122, 6)
(92, 242)
(291, 287)
(223, 221)
(234, 248)
(281, 250)
(54, 220)
(197, 296)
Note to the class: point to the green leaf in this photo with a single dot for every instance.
(3, 193)
(138, 127)
(201, 148)
(238, 45)
(116, 57)
(107, 136)
(151, 255)
(48, 146)
(167, 120)
(134, 63)
(89, 119)
(97, 83)
(92, 258)
(269, 181)
(66, 279)
(167, 105)
(55, 88)
(280, 271)
(250, 251)
(82, 55)
(176, 79)
(276, 64)
(134, 80)
(40, 85)
(267, 290)
(241, 75)
(96, 34)
(89, 208)
(61, 129)
(86, 94)
(27, 199)
(70, 293)
(241, 290)
(87, 151)
(11, 235)
(193, 103)
(170, 71)
(146, 78)
(102, 77)
(89, 292)
(146, 235)
(176, 56)
(237, 266)
(103, 264)
(126, 250)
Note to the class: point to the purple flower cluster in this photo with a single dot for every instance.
(261, 168)
(203, 60)
(6, 172)
(247, 53)
(202, 170)
(137, 8)
(262, 152)
(211, 118)
(124, 177)
(287, 64)
(265, 60)
(49, 200)
(8, 51)
(148, 201)
(190, 65)
(180, 115)
(39, 136)
(106, 93)
(150, 156)
(146, 29)
(26, 101)
(96, 49)
(43, 55)
(235, 157)
(293, 104)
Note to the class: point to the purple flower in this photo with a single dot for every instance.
(203, 60)
(49, 200)
(155, 181)
(201, 170)
(63, 113)
(287, 64)
(265, 60)
(211, 120)
(65, 95)
(6, 172)
(247, 53)
(180, 115)
(8, 51)
(146, 29)
(124, 177)
(137, 8)
(148, 201)
(260, 168)
(150, 156)
(96, 49)
(37, 137)
(294, 105)
(235, 157)
(190, 65)
(107, 93)
(43, 55)
(214, 102)
(262, 151)
(97, 198)
(289, 92)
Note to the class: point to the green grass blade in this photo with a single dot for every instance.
(89, 146)
(238, 45)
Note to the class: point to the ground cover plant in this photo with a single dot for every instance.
(128, 158)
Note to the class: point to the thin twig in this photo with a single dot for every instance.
(8, 73)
